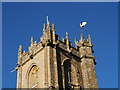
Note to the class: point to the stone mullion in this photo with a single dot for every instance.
(72, 74)
(63, 76)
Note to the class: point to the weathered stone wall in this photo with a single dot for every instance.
(37, 60)
(58, 63)
(75, 62)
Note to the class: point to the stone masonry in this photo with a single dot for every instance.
(52, 63)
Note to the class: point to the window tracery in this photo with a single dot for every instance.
(33, 77)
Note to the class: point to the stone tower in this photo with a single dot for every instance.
(53, 63)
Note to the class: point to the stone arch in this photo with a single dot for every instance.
(67, 72)
(70, 74)
(65, 60)
(29, 68)
(32, 76)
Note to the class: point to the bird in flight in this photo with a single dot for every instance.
(82, 24)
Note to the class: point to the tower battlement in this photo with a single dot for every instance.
(50, 37)
(58, 63)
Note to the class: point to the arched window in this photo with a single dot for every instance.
(67, 73)
(71, 75)
(33, 77)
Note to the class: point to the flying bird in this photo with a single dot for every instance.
(82, 24)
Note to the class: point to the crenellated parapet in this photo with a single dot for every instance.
(85, 47)
(66, 45)
(87, 62)
(83, 42)
(50, 38)
(60, 64)
(33, 49)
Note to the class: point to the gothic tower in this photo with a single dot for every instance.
(52, 63)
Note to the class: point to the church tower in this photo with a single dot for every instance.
(52, 63)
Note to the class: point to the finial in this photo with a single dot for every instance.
(47, 19)
(75, 41)
(24, 52)
(53, 34)
(67, 41)
(44, 26)
(32, 40)
(20, 48)
(81, 38)
(48, 23)
(53, 27)
(44, 30)
(67, 35)
(35, 42)
(89, 40)
(63, 39)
